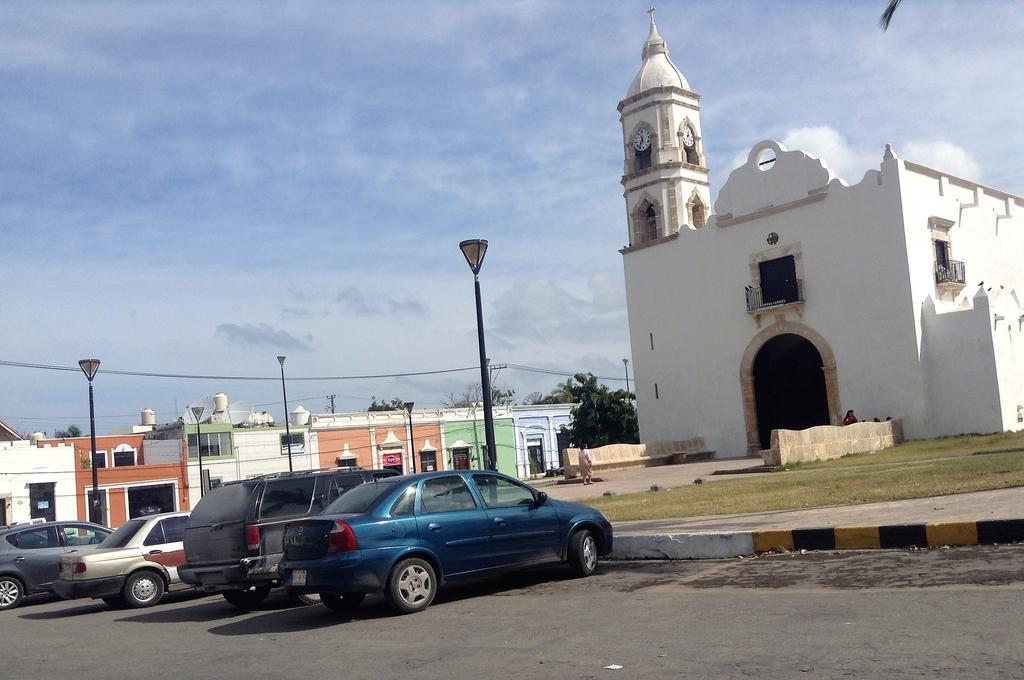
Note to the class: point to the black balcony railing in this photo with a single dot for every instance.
(951, 272)
(758, 298)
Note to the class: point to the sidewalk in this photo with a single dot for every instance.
(962, 519)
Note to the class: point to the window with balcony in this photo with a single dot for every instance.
(779, 284)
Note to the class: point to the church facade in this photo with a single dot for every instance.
(801, 297)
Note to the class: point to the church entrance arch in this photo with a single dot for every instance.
(788, 376)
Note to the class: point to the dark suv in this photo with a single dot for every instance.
(233, 536)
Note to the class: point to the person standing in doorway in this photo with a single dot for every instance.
(586, 464)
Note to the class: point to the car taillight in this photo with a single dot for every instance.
(78, 568)
(341, 538)
(252, 538)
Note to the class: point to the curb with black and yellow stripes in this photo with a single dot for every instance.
(982, 532)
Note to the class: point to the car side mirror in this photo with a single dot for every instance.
(542, 498)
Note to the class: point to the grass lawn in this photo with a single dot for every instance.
(913, 470)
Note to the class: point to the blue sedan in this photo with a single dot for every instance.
(405, 536)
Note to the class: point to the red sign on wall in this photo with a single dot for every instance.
(390, 459)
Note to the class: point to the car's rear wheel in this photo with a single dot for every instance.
(11, 592)
(411, 586)
(114, 600)
(583, 553)
(303, 598)
(247, 599)
(345, 602)
(143, 589)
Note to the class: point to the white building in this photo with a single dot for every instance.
(37, 482)
(803, 297)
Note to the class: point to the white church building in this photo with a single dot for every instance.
(801, 297)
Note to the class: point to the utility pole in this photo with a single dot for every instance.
(330, 401)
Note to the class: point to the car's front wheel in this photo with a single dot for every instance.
(342, 603)
(247, 599)
(583, 553)
(11, 592)
(411, 586)
(143, 589)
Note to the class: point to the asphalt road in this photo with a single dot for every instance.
(880, 614)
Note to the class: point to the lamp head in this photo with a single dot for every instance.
(474, 249)
(280, 359)
(89, 367)
(625, 361)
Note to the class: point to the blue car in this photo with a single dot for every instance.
(406, 536)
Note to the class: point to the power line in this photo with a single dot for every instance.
(551, 371)
(187, 376)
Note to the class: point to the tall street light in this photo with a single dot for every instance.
(625, 366)
(412, 437)
(474, 250)
(287, 429)
(89, 367)
(197, 413)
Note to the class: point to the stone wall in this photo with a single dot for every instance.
(830, 441)
(632, 455)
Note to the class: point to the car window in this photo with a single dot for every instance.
(361, 499)
(446, 494)
(406, 503)
(340, 485)
(174, 529)
(287, 497)
(383, 475)
(156, 535)
(123, 534)
(498, 492)
(82, 535)
(34, 539)
(226, 503)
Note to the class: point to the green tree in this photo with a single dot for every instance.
(72, 431)
(395, 404)
(601, 416)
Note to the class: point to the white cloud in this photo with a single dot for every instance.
(942, 156)
(834, 150)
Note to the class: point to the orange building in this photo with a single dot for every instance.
(128, 486)
(383, 442)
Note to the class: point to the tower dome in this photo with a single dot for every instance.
(657, 69)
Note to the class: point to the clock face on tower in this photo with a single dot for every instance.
(642, 139)
(688, 137)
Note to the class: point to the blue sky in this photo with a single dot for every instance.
(198, 187)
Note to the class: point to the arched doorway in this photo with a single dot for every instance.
(789, 386)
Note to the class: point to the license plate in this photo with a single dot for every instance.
(298, 577)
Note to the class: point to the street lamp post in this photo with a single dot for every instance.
(197, 413)
(412, 437)
(287, 429)
(89, 367)
(474, 251)
(625, 366)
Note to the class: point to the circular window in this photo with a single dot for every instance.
(766, 159)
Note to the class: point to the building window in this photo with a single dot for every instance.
(210, 444)
(347, 463)
(124, 456)
(649, 225)
(428, 461)
(778, 281)
(99, 459)
(298, 443)
(697, 214)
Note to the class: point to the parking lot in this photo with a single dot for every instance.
(857, 614)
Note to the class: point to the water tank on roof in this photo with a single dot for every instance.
(299, 416)
(147, 417)
(36, 436)
(220, 402)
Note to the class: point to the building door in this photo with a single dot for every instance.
(535, 456)
(3, 511)
(789, 386)
(42, 501)
(151, 500)
(778, 281)
(562, 439)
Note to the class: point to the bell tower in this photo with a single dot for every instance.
(665, 174)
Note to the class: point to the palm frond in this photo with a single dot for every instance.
(886, 17)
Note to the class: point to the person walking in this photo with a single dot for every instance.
(586, 464)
